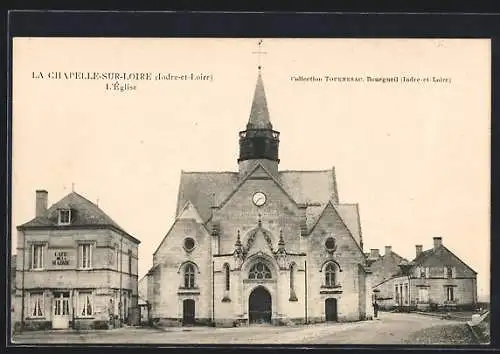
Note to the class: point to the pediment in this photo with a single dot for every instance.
(258, 240)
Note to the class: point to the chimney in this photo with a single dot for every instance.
(388, 250)
(437, 242)
(41, 202)
(418, 250)
(374, 253)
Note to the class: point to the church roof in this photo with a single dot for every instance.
(316, 188)
(259, 114)
(205, 189)
(350, 215)
(83, 213)
(310, 186)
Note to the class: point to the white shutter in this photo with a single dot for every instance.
(427, 272)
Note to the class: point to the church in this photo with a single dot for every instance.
(260, 245)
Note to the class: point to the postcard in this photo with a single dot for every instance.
(250, 191)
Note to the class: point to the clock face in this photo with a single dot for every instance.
(259, 199)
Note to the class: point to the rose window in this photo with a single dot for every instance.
(259, 271)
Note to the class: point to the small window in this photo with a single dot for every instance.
(449, 293)
(37, 256)
(188, 244)
(423, 295)
(228, 276)
(449, 272)
(36, 305)
(130, 261)
(85, 253)
(330, 275)
(189, 276)
(126, 301)
(117, 256)
(64, 217)
(293, 296)
(330, 243)
(85, 305)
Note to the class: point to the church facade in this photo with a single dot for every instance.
(260, 244)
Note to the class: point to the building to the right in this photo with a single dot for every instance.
(436, 279)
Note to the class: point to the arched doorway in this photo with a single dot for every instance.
(331, 309)
(188, 312)
(260, 306)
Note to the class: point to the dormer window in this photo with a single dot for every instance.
(423, 272)
(64, 216)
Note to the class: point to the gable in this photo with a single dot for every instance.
(260, 174)
(331, 221)
(190, 212)
(441, 257)
(278, 214)
(386, 267)
(350, 215)
(188, 223)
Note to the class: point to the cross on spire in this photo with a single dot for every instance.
(259, 52)
(72, 186)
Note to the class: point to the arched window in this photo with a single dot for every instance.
(228, 275)
(259, 271)
(189, 276)
(293, 297)
(330, 274)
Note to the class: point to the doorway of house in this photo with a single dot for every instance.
(260, 306)
(188, 307)
(61, 317)
(331, 309)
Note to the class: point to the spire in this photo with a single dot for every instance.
(259, 143)
(238, 241)
(281, 242)
(259, 114)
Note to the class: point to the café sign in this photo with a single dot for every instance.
(60, 258)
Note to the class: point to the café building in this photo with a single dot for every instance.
(76, 268)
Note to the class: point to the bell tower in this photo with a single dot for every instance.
(259, 142)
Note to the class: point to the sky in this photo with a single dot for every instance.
(414, 155)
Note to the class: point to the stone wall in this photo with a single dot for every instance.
(61, 272)
(167, 287)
